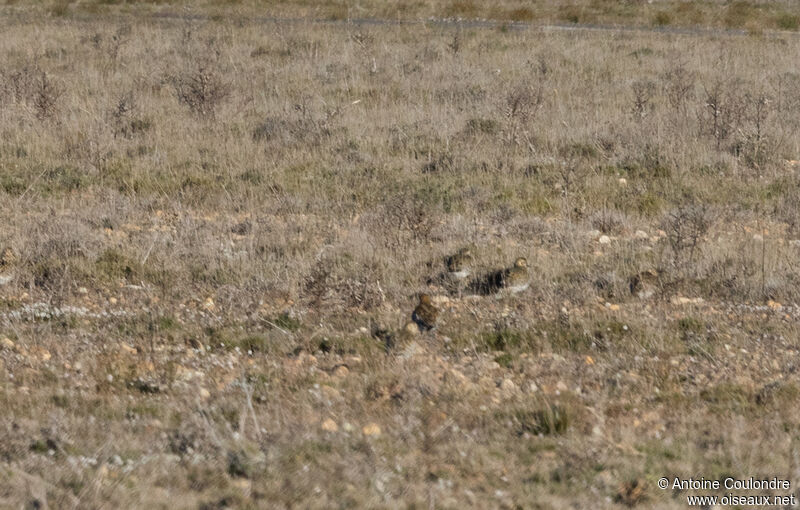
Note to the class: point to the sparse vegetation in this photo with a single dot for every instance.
(213, 236)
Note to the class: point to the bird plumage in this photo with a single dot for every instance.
(425, 314)
(8, 257)
(459, 264)
(516, 278)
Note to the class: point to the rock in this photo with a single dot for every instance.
(41, 353)
(5, 279)
(330, 392)
(372, 429)
(204, 393)
(348, 427)
(532, 387)
(795, 243)
(604, 239)
(459, 377)
(330, 426)
(623, 181)
(411, 329)
(127, 348)
(112, 301)
(6, 343)
(341, 371)
(774, 305)
(508, 386)
(411, 350)
(758, 238)
(208, 304)
(641, 234)
(243, 484)
(187, 374)
(83, 290)
(440, 300)
(681, 300)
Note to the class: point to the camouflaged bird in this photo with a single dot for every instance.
(8, 257)
(644, 284)
(516, 278)
(425, 314)
(460, 264)
(7, 260)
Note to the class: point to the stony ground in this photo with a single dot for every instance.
(115, 398)
(213, 234)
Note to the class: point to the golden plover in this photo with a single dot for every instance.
(516, 278)
(425, 314)
(7, 257)
(460, 264)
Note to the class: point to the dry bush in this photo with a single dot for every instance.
(45, 96)
(608, 221)
(686, 228)
(643, 92)
(722, 112)
(202, 90)
(126, 121)
(34, 87)
(679, 87)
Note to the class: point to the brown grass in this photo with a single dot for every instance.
(218, 232)
(751, 15)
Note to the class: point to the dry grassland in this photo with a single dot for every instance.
(214, 233)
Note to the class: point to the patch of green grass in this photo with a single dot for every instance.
(546, 420)
(43, 446)
(505, 339)
(360, 345)
(64, 178)
(728, 398)
(690, 326)
(144, 409)
(739, 13)
(12, 184)
(520, 14)
(571, 337)
(641, 52)
(60, 400)
(777, 395)
(114, 264)
(167, 323)
(286, 322)
(571, 14)
(787, 21)
(483, 126)
(255, 343)
(662, 18)
(505, 360)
